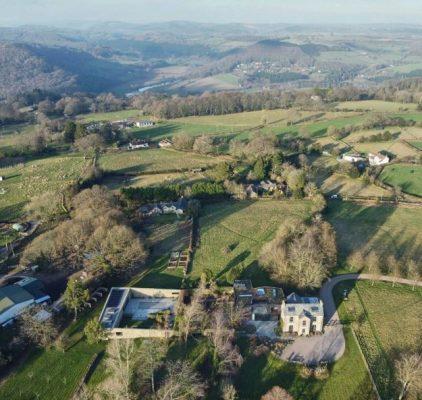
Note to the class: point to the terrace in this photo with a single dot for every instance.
(135, 312)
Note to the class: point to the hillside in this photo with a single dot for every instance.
(22, 71)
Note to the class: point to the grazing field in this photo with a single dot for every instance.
(243, 227)
(407, 177)
(348, 377)
(342, 184)
(154, 161)
(376, 105)
(117, 182)
(387, 322)
(112, 116)
(35, 177)
(387, 230)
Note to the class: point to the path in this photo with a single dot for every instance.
(330, 346)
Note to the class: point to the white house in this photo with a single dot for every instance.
(302, 315)
(378, 159)
(17, 297)
(350, 157)
(138, 144)
(144, 123)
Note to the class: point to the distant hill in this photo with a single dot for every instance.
(21, 70)
(25, 67)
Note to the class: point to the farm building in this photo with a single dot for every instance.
(177, 207)
(302, 315)
(138, 144)
(165, 143)
(144, 123)
(378, 159)
(17, 297)
(351, 157)
(132, 312)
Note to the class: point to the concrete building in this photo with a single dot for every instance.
(17, 297)
(132, 312)
(302, 315)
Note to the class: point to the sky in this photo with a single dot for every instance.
(57, 12)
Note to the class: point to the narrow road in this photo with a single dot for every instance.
(330, 346)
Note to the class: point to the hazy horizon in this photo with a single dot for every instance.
(50, 12)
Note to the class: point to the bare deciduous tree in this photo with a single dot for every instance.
(39, 331)
(151, 353)
(181, 383)
(409, 374)
(122, 357)
(413, 272)
(277, 393)
(373, 264)
(226, 356)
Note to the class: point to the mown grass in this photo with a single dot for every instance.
(386, 230)
(407, 177)
(243, 227)
(387, 323)
(154, 161)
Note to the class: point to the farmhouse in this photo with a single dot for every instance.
(138, 312)
(352, 157)
(302, 315)
(17, 297)
(251, 192)
(144, 123)
(378, 159)
(138, 144)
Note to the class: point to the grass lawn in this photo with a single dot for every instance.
(35, 177)
(244, 227)
(387, 230)
(408, 177)
(154, 160)
(387, 322)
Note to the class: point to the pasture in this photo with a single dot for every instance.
(35, 177)
(154, 161)
(386, 230)
(112, 116)
(407, 177)
(375, 105)
(387, 322)
(243, 227)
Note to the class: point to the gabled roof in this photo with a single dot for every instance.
(12, 295)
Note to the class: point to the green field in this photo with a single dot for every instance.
(244, 227)
(407, 177)
(112, 116)
(387, 230)
(35, 177)
(376, 105)
(387, 322)
(153, 161)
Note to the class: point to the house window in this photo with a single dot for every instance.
(291, 319)
(304, 323)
